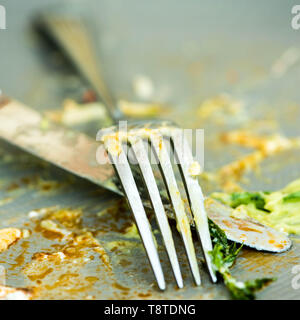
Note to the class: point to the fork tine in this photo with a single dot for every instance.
(124, 172)
(195, 196)
(177, 202)
(162, 220)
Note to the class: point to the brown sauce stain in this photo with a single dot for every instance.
(75, 246)
(118, 286)
(113, 249)
(228, 224)
(41, 275)
(12, 187)
(20, 259)
(69, 285)
(91, 279)
(144, 295)
(56, 246)
(114, 218)
(50, 235)
(125, 263)
(63, 280)
(241, 227)
(4, 101)
(279, 246)
(145, 270)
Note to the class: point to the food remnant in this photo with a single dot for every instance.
(44, 124)
(219, 106)
(40, 184)
(232, 172)
(74, 113)
(139, 109)
(69, 218)
(195, 169)
(268, 145)
(37, 213)
(58, 271)
(264, 147)
(88, 240)
(143, 87)
(52, 226)
(279, 210)
(8, 293)
(89, 96)
(132, 231)
(122, 246)
(25, 233)
(113, 140)
(57, 221)
(66, 224)
(8, 236)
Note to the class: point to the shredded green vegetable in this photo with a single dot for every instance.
(279, 209)
(224, 255)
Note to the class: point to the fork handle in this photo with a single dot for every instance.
(73, 36)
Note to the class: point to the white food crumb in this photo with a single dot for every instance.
(33, 214)
(52, 226)
(37, 213)
(8, 293)
(195, 169)
(61, 255)
(25, 233)
(143, 87)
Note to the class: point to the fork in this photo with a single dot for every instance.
(72, 35)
